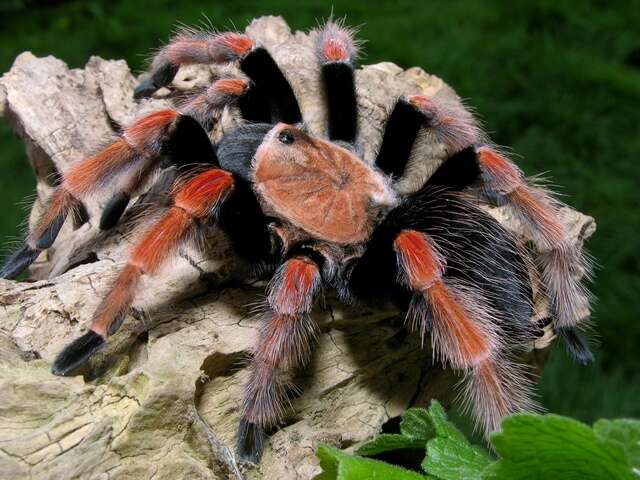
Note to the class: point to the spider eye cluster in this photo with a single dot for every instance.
(286, 137)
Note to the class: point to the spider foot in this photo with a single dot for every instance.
(250, 441)
(18, 261)
(114, 210)
(576, 344)
(77, 352)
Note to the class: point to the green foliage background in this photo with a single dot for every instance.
(557, 80)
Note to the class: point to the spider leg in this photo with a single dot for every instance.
(336, 50)
(469, 160)
(127, 154)
(192, 47)
(452, 126)
(464, 279)
(560, 261)
(187, 140)
(285, 343)
(127, 164)
(270, 98)
(194, 201)
(464, 331)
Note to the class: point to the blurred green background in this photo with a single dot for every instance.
(559, 81)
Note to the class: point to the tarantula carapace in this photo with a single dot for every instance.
(311, 215)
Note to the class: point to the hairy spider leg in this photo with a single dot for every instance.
(285, 342)
(463, 330)
(451, 125)
(196, 199)
(400, 133)
(186, 140)
(192, 47)
(127, 164)
(336, 50)
(270, 98)
(128, 154)
(560, 261)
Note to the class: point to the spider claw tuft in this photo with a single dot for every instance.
(113, 210)
(250, 442)
(77, 352)
(145, 89)
(18, 261)
(575, 344)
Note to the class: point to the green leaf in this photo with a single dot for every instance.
(441, 424)
(450, 459)
(450, 456)
(329, 462)
(337, 465)
(388, 442)
(625, 433)
(554, 447)
(416, 423)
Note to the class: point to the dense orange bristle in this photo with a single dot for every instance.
(541, 214)
(183, 52)
(422, 265)
(149, 127)
(334, 51)
(236, 42)
(464, 341)
(61, 201)
(200, 195)
(422, 102)
(87, 175)
(161, 240)
(502, 174)
(230, 86)
(295, 283)
(118, 301)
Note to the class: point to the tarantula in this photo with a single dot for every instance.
(311, 215)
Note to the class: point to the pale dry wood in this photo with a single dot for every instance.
(162, 400)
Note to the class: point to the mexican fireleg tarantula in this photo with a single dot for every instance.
(312, 215)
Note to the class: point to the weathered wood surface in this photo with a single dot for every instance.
(161, 401)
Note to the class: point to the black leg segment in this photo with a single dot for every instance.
(114, 209)
(576, 344)
(77, 352)
(339, 82)
(18, 261)
(249, 443)
(267, 77)
(400, 134)
(457, 172)
(161, 77)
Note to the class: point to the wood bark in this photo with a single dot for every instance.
(161, 401)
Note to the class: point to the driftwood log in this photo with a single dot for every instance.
(162, 400)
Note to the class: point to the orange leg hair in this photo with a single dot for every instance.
(538, 212)
(195, 199)
(193, 47)
(463, 331)
(285, 343)
(127, 163)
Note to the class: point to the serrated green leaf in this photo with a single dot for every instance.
(451, 459)
(388, 442)
(554, 447)
(441, 424)
(416, 423)
(337, 465)
(626, 433)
